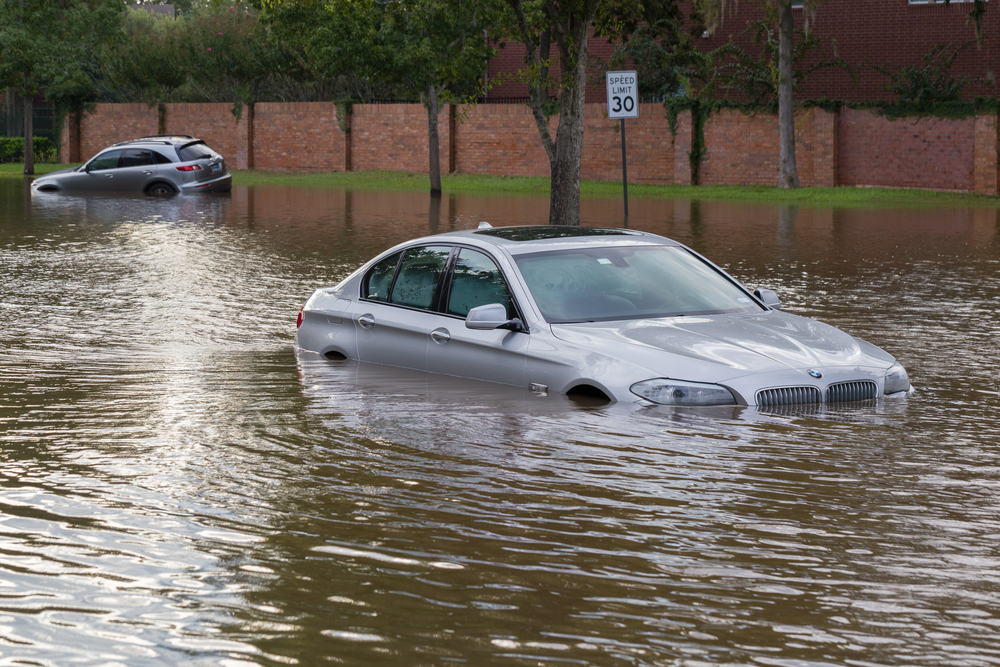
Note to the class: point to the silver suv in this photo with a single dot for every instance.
(157, 165)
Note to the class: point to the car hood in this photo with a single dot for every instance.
(733, 345)
(56, 173)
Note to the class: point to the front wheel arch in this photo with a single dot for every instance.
(589, 393)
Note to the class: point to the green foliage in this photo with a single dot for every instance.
(975, 17)
(55, 47)
(146, 64)
(930, 83)
(671, 68)
(12, 149)
(407, 46)
(219, 52)
(669, 64)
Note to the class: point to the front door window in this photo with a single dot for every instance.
(105, 161)
(476, 281)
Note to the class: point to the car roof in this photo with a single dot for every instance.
(161, 139)
(526, 239)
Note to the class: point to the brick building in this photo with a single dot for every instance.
(893, 33)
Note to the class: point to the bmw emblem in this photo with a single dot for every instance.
(815, 374)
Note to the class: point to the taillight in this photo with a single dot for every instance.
(189, 167)
(298, 322)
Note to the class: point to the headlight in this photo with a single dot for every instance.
(676, 392)
(896, 379)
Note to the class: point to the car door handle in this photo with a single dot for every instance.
(109, 175)
(367, 321)
(147, 173)
(440, 336)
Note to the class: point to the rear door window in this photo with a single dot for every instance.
(419, 277)
(160, 158)
(137, 157)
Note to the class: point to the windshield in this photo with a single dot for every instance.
(617, 283)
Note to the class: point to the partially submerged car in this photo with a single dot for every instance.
(612, 313)
(156, 165)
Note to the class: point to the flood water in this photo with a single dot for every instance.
(177, 489)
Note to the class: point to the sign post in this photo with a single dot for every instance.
(623, 102)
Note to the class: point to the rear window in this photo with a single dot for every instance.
(161, 158)
(198, 151)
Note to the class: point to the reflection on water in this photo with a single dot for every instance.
(177, 487)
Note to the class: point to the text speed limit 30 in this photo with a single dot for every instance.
(623, 95)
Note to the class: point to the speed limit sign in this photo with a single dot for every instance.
(623, 95)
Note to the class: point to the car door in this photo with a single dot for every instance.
(454, 349)
(98, 174)
(395, 315)
(136, 169)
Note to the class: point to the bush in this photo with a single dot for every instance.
(12, 149)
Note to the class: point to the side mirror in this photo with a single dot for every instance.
(768, 297)
(491, 316)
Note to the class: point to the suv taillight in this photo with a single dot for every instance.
(189, 167)
(298, 322)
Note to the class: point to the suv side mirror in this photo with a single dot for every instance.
(491, 316)
(768, 297)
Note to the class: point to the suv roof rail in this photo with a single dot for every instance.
(164, 136)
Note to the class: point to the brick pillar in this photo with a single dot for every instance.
(348, 141)
(452, 141)
(824, 126)
(69, 145)
(250, 111)
(985, 168)
(682, 146)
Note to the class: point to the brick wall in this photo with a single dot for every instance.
(931, 153)
(298, 136)
(848, 148)
(648, 146)
(216, 125)
(375, 127)
(108, 124)
(987, 175)
(501, 139)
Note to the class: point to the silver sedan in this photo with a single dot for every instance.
(609, 313)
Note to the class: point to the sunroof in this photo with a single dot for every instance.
(541, 232)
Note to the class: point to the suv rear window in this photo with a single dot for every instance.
(198, 151)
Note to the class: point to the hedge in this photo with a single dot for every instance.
(12, 149)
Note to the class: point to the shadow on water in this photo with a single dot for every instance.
(177, 487)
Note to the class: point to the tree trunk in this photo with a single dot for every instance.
(788, 174)
(433, 141)
(564, 200)
(29, 131)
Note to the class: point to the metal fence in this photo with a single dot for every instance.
(12, 117)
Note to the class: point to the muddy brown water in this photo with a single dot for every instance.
(176, 488)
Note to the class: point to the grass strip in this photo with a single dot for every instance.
(529, 185)
(482, 184)
(16, 169)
